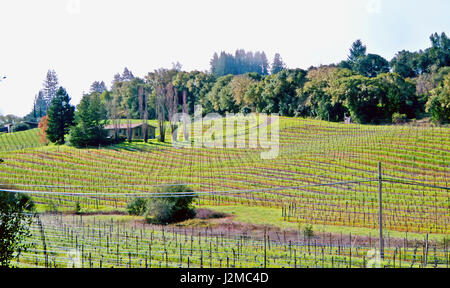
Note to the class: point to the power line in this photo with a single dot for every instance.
(182, 193)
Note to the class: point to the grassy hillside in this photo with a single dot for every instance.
(19, 140)
(287, 192)
(311, 153)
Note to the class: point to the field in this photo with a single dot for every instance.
(326, 176)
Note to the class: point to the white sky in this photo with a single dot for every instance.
(102, 37)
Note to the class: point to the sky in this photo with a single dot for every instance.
(91, 40)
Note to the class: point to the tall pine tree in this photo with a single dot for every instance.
(278, 64)
(357, 51)
(50, 87)
(60, 117)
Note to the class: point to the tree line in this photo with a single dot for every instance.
(365, 87)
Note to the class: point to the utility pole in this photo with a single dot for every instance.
(265, 248)
(380, 210)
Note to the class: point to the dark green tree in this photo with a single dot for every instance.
(405, 64)
(60, 117)
(15, 221)
(439, 53)
(371, 65)
(90, 120)
(357, 51)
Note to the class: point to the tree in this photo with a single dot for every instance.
(221, 96)
(277, 65)
(43, 126)
(137, 206)
(316, 97)
(161, 81)
(357, 51)
(161, 111)
(117, 78)
(9, 119)
(143, 111)
(15, 222)
(361, 96)
(405, 64)
(240, 63)
(173, 208)
(127, 75)
(50, 87)
(438, 104)
(439, 53)
(371, 65)
(375, 100)
(172, 107)
(90, 120)
(60, 117)
(99, 87)
(39, 108)
(279, 92)
(239, 86)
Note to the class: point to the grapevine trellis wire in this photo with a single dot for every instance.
(103, 243)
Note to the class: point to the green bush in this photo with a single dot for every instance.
(160, 211)
(172, 209)
(137, 206)
(398, 118)
(21, 127)
(15, 223)
(78, 208)
(308, 231)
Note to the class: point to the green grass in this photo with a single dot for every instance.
(272, 217)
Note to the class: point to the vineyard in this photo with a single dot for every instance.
(19, 140)
(326, 175)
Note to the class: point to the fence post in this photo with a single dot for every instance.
(41, 229)
(380, 210)
(265, 248)
(426, 252)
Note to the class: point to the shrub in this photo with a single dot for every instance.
(209, 214)
(51, 207)
(137, 206)
(160, 211)
(21, 127)
(78, 208)
(398, 118)
(308, 231)
(15, 222)
(172, 209)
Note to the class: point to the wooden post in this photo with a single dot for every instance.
(380, 211)
(426, 252)
(265, 248)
